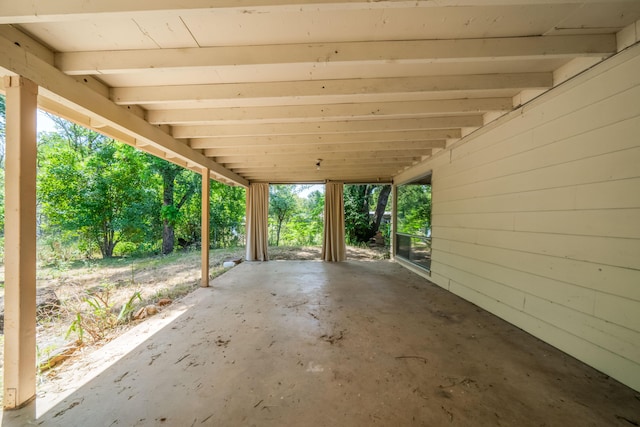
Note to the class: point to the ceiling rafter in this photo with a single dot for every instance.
(353, 126)
(518, 48)
(327, 91)
(372, 88)
(329, 111)
(382, 156)
(319, 138)
(57, 85)
(319, 150)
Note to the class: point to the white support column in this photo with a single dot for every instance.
(204, 246)
(20, 243)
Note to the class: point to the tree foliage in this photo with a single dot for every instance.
(361, 224)
(95, 189)
(414, 209)
(282, 205)
(179, 181)
(226, 215)
(306, 223)
(102, 195)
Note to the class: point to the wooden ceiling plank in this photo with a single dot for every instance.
(293, 92)
(336, 111)
(359, 178)
(381, 155)
(329, 127)
(368, 52)
(39, 11)
(318, 139)
(390, 170)
(327, 162)
(52, 81)
(327, 148)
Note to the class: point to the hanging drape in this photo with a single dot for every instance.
(333, 243)
(257, 216)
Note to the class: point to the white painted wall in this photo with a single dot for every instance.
(536, 218)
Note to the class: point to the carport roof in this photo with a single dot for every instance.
(264, 90)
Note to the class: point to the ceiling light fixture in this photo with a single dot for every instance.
(318, 162)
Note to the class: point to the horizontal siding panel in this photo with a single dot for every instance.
(603, 86)
(619, 80)
(622, 311)
(501, 293)
(623, 223)
(569, 295)
(467, 150)
(619, 194)
(536, 217)
(625, 370)
(619, 136)
(619, 281)
(602, 250)
(493, 221)
(439, 279)
(622, 341)
(593, 117)
(548, 199)
(608, 167)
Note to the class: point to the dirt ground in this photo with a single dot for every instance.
(327, 344)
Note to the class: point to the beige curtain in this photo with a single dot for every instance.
(257, 216)
(333, 243)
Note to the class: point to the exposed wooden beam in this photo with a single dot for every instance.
(294, 171)
(327, 91)
(329, 138)
(198, 116)
(326, 148)
(295, 158)
(58, 85)
(329, 127)
(515, 48)
(311, 162)
(370, 176)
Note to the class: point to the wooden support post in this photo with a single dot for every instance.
(394, 220)
(20, 243)
(204, 247)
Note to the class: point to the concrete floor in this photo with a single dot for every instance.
(300, 343)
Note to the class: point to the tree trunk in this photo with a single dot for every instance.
(106, 241)
(383, 198)
(278, 232)
(168, 233)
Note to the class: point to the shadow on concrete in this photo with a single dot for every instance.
(325, 344)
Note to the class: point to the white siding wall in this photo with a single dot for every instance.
(537, 218)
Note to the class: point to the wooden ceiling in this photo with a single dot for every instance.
(264, 90)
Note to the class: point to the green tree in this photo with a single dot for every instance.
(282, 205)
(305, 225)
(414, 209)
(226, 214)
(94, 187)
(173, 176)
(360, 224)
